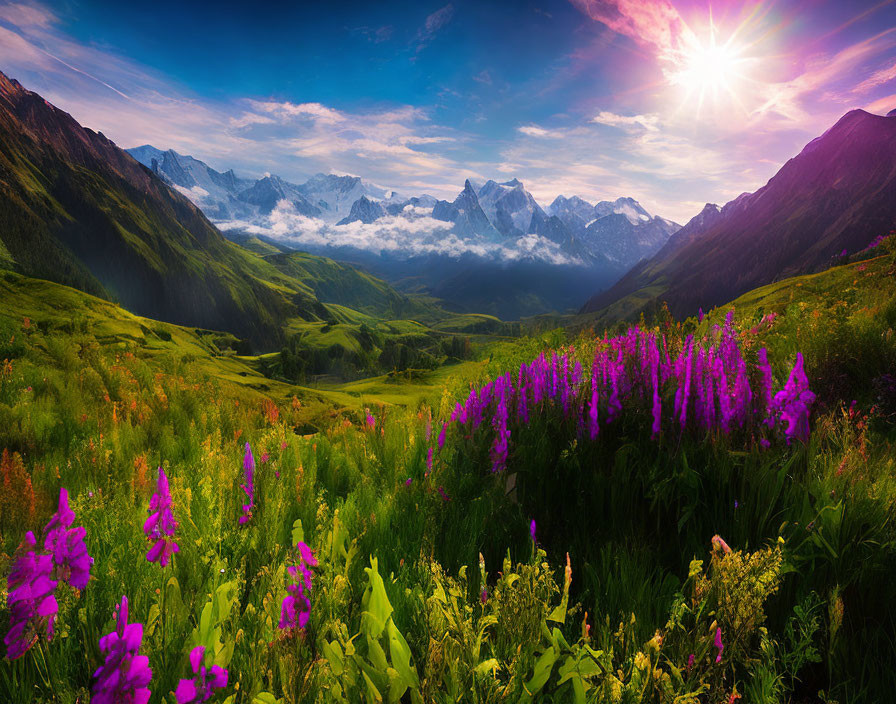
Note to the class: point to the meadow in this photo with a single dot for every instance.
(678, 511)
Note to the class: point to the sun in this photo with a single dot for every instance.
(710, 70)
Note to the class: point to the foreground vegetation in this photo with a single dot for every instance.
(645, 563)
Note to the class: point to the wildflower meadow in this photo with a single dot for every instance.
(678, 512)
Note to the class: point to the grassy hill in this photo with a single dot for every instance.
(77, 210)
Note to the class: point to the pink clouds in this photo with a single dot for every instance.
(652, 22)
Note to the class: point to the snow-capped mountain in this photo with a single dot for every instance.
(225, 197)
(467, 214)
(268, 192)
(364, 210)
(509, 206)
(520, 251)
(335, 195)
(214, 192)
(621, 230)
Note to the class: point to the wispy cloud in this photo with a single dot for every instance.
(648, 122)
(433, 24)
(536, 131)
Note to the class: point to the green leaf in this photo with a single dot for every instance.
(376, 654)
(375, 602)
(397, 685)
(400, 653)
(152, 620)
(542, 673)
(298, 535)
(490, 665)
(333, 654)
(372, 692)
(265, 698)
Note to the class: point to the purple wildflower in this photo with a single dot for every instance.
(690, 661)
(160, 525)
(370, 420)
(794, 402)
(429, 460)
(407, 482)
(32, 606)
(483, 595)
(444, 496)
(296, 608)
(442, 436)
(66, 546)
(718, 644)
(201, 687)
(124, 674)
(532, 530)
(249, 486)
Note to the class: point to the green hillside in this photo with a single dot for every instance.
(77, 210)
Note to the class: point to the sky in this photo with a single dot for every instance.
(673, 103)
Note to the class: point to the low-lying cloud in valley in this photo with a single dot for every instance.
(411, 233)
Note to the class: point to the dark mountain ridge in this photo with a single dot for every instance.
(838, 193)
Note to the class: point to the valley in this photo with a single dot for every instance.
(272, 432)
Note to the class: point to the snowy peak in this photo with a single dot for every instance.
(364, 210)
(628, 207)
(509, 206)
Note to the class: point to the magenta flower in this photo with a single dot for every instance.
(483, 595)
(794, 401)
(442, 435)
(296, 607)
(66, 546)
(690, 662)
(429, 460)
(532, 530)
(407, 482)
(718, 644)
(201, 687)
(124, 674)
(160, 526)
(249, 486)
(370, 420)
(32, 605)
(444, 496)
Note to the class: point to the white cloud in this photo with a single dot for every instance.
(412, 233)
(648, 122)
(536, 131)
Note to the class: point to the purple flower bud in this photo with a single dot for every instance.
(160, 526)
(249, 486)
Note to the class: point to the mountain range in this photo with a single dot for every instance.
(429, 245)
(836, 195)
(619, 233)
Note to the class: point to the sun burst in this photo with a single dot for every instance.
(709, 71)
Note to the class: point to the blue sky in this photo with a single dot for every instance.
(673, 103)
